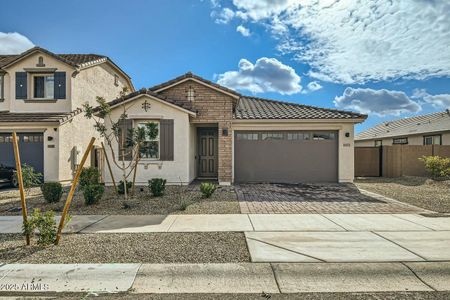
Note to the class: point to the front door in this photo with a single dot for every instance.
(207, 152)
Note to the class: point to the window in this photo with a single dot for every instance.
(266, 136)
(1, 86)
(252, 136)
(5, 139)
(432, 140)
(150, 148)
(190, 94)
(378, 143)
(43, 86)
(33, 138)
(400, 141)
(116, 80)
(292, 136)
(320, 136)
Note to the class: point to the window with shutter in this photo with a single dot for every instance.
(21, 85)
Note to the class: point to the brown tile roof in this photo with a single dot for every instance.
(9, 117)
(191, 75)
(183, 104)
(428, 123)
(253, 108)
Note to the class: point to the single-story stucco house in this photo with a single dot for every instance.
(429, 129)
(207, 131)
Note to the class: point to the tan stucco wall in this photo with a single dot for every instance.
(345, 148)
(96, 81)
(176, 171)
(75, 133)
(412, 140)
(19, 105)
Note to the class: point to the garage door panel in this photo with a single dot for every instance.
(288, 161)
(31, 147)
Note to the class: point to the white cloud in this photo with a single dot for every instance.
(314, 86)
(266, 75)
(380, 102)
(437, 101)
(351, 41)
(224, 16)
(14, 43)
(243, 30)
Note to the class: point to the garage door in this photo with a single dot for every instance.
(31, 147)
(286, 156)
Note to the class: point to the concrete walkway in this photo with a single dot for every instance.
(227, 278)
(243, 222)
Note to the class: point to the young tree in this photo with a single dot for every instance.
(132, 143)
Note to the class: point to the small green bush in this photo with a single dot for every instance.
(93, 193)
(120, 188)
(52, 191)
(157, 186)
(207, 189)
(438, 167)
(30, 178)
(89, 176)
(44, 223)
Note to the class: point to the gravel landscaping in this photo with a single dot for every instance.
(177, 200)
(418, 191)
(208, 247)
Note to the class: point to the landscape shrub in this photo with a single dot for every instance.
(120, 188)
(93, 193)
(207, 189)
(30, 178)
(52, 191)
(438, 167)
(46, 225)
(157, 186)
(89, 176)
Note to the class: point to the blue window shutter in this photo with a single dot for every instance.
(21, 85)
(60, 85)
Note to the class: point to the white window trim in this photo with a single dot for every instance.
(136, 124)
(32, 85)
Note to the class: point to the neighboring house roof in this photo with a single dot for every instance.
(253, 108)
(182, 104)
(435, 122)
(78, 61)
(190, 75)
(50, 117)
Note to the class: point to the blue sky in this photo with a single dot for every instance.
(357, 57)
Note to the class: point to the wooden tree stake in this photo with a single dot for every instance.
(20, 180)
(109, 168)
(72, 190)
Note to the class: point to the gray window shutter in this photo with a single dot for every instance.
(124, 133)
(60, 85)
(166, 139)
(21, 85)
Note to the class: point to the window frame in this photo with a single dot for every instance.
(432, 136)
(190, 95)
(400, 138)
(158, 138)
(32, 85)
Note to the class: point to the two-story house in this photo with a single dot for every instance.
(41, 95)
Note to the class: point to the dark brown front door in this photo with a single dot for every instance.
(207, 152)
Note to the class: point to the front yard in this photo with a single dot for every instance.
(418, 191)
(176, 200)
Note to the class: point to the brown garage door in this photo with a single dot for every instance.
(286, 156)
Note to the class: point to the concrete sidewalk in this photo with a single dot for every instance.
(243, 222)
(227, 278)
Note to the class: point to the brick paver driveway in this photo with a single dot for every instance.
(314, 198)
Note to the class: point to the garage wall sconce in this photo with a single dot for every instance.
(347, 134)
(49, 138)
(224, 131)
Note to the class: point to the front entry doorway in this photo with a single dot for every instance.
(207, 152)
